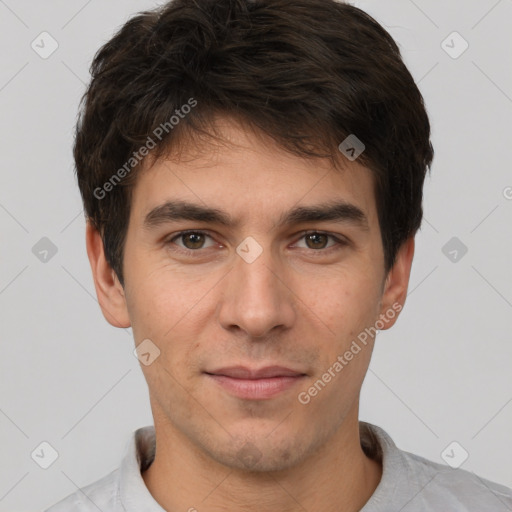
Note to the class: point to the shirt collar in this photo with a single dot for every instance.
(135, 497)
(133, 493)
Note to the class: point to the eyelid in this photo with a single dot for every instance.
(174, 236)
(336, 236)
(340, 240)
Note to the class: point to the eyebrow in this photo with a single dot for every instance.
(337, 211)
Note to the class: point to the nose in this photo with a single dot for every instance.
(257, 297)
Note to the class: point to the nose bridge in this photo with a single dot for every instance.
(256, 299)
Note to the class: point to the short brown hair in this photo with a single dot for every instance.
(308, 73)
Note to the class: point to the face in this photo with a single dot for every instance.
(250, 286)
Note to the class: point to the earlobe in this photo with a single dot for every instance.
(110, 293)
(396, 285)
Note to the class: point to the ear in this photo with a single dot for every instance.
(396, 284)
(109, 291)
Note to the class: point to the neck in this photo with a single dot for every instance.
(182, 477)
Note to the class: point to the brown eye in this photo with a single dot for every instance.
(320, 242)
(192, 240)
(316, 240)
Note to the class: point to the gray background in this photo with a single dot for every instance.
(442, 374)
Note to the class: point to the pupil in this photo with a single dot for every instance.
(315, 237)
(194, 239)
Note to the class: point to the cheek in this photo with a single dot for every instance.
(172, 312)
(345, 302)
(162, 300)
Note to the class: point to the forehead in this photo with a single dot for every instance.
(246, 172)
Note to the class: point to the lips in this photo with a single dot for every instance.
(255, 384)
(242, 372)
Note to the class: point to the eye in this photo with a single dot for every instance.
(193, 241)
(190, 240)
(317, 240)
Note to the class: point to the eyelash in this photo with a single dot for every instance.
(339, 242)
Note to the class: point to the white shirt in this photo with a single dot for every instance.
(409, 482)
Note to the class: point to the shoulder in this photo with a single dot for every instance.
(124, 484)
(442, 485)
(412, 483)
(100, 495)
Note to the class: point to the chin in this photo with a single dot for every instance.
(249, 458)
(261, 455)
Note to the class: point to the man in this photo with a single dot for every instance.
(252, 176)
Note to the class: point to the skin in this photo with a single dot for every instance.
(298, 305)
